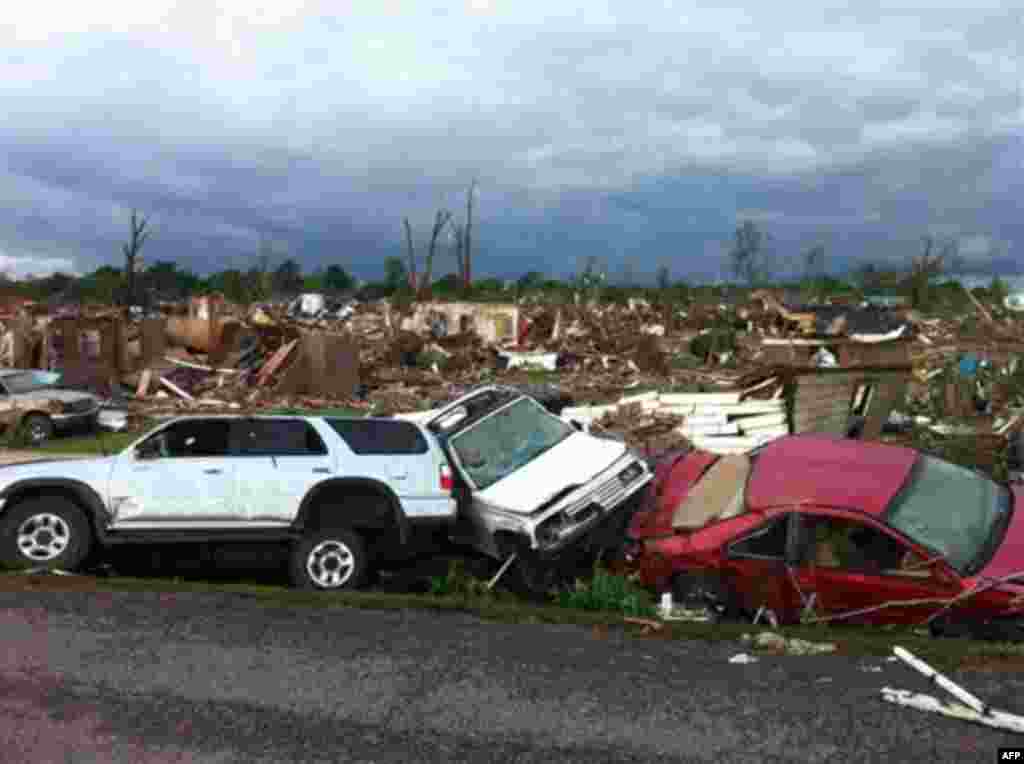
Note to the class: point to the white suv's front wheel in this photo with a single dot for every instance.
(330, 560)
(47, 532)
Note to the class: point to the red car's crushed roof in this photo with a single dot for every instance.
(828, 471)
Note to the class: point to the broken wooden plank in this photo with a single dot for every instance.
(199, 366)
(647, 623)
(274, 363)
(760, 386)
(143, 388)
(175, 389)
(639, 398)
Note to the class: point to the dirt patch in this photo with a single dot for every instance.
(1009, 663)
(43, 582)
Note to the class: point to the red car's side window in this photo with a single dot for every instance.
(846, 544)
(767, 542)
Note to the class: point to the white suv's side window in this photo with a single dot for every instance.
(276, 437)
(191, 438)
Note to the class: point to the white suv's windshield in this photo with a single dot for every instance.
(950, 509)
(501, 443)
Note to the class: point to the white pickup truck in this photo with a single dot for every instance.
(530, 484)
(503, 473)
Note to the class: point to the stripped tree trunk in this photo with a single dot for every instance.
(467, 247)
(441, 219)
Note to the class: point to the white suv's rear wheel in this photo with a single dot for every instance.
(331, 560)
(47, 532)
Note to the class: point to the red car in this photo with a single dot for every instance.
(838, 529)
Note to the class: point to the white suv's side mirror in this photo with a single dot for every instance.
(146, 450)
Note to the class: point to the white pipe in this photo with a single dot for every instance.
(941, 680)
(994, 718)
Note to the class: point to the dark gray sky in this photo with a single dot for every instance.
(636, 132)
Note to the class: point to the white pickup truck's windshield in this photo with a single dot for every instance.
(503, 442)
(950, 509)
(16, 384)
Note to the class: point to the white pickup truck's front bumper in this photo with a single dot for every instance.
(592, 506)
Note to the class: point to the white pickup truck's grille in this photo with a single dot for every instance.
(625, 478)
(610, 492)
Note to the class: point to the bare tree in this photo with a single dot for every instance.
(137, 237)
(929, 264)
(441, 219)
(259, 278)
(459, 242)
(746, 252)
(410, 250)
(467, 236)
(814, 268)
(814, 261)
(664, 278)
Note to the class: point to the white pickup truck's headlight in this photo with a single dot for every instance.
(505, 523)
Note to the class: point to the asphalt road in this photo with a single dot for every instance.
(139, 678)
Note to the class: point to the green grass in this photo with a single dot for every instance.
(943, 654)
(89, 444)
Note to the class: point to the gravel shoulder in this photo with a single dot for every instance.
(151, 677)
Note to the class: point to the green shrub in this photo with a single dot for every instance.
(15, 436)
(607, 592)
(458, 583)
(714, 341)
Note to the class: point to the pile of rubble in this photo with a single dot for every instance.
(725, 375)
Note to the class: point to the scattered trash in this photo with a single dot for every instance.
(824, 359)
(110, 419)
(769, 640)
(743, 658)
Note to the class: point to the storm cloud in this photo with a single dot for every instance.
(638, 133)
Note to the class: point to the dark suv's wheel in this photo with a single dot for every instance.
(333, 559)
(45, 532)
(38, 428)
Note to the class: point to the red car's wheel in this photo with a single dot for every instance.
(708, 592)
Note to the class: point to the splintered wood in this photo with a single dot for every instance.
(275, 362)
(143, 389)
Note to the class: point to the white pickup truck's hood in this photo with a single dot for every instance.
(574, 461)
(93, 471)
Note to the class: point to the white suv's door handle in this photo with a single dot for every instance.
(399, 475)
(322, 470)
(212, 471)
